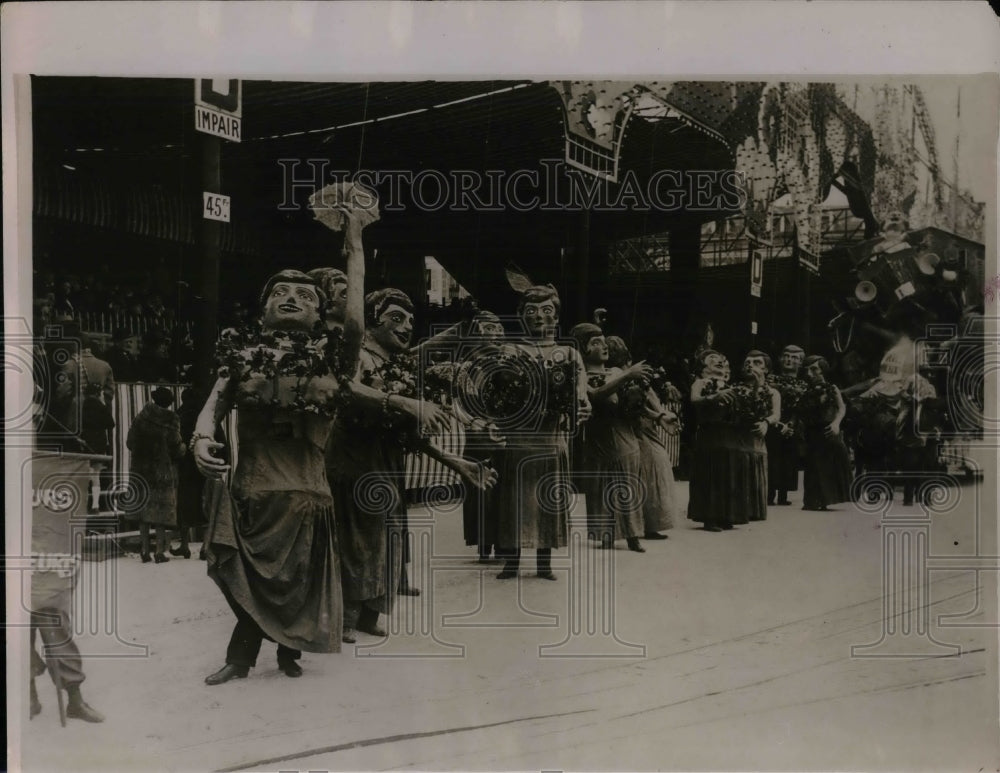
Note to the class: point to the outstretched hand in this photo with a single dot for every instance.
(433, 419)
(205, 459)
(639, 370)
(480, 476)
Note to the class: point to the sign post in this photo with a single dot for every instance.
(756, 283)
(218, 115)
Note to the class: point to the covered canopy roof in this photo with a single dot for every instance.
(121, 154)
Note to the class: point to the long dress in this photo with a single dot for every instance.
(533, 496)
(729, 475)
(365, 465)
(783, 452)
(660, 506)
(827, 479)
(611, 463)
(480, 517)
(272, 543)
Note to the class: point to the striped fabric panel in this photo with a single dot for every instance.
(423, 472)
(130, 398)
(671, 442)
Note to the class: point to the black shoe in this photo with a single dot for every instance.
(78, 709)
(409, 590)
(227, 672)
(290, 668)
(654, 535)
(347, 637)
(185, 551)
(709, 527)
(634, 546)
(145, 558)
(727, 527)
(202, 555)
(783, 502)
(506, 574)
(159, 558)
(547, 575)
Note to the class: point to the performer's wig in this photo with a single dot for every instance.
(618, 354)
(327, 277)
(291, 276)
(539, 294)
(704, 355)
(759, 353)
(583, 332)
(377, 301)
(824, 366)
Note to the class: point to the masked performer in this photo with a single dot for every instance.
(729, 479)
(783, 439)
(609, 455)
(651, 425)
(535, 463)
(821, 409)
(272, 544)
(480, 518)
(365, 463)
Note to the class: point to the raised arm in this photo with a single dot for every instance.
(354, 314)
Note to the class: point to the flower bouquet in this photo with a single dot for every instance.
(502, 386)
(750, 405)
(791, 390)
(816, 404)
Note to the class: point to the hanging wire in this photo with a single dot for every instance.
(364, 127)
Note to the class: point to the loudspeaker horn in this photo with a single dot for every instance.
(927, 262)
(865, 291)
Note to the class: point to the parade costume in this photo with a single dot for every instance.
(272, 544)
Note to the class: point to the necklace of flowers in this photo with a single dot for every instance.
(250, 352)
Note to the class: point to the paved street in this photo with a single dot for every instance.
(744, 642)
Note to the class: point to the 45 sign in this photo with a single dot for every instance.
(215, 206)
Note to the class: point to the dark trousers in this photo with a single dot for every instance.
(244, 644)
(61, 654)
(512, 559)
(359, 614)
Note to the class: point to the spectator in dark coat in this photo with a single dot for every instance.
(156, 445)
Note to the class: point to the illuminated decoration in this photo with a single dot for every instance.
(794, 138)
(597, 112)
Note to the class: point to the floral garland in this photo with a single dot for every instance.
(263, 361)
(439, 383)
(394, 376)
(813, 406)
